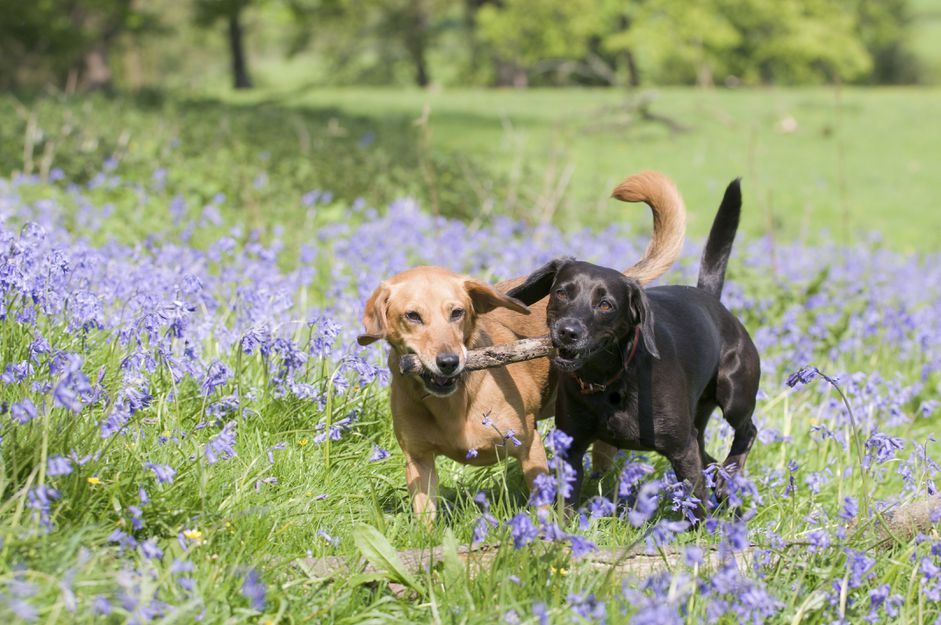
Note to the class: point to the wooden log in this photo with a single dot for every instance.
(487, 357)
(904, 522)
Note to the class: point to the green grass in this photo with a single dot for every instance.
(860, 160)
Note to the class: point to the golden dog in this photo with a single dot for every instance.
(479, 417)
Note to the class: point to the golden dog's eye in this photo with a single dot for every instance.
(457, 314)
(605, 306)
(413, 316)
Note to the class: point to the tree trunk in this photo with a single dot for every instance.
(97, 73)
(416, 41)
(240, 78)
(633, 74)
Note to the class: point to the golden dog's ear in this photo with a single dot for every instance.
(374, 316)
(486, 298)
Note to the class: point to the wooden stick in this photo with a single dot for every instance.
(487, 357)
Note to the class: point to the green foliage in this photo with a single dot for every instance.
(263, 157)
(530, 31)
(44, 40)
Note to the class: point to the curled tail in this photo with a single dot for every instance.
(715, 256)
(669, 222)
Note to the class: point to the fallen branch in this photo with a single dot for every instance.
(487, 357)
(908, 520)
(903, 523)
(633, 561)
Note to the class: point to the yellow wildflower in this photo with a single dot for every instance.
(93, 480)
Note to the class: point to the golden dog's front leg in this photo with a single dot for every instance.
(533, 459)
(422, 479)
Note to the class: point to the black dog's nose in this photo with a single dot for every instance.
(447, 363)
(568, 332)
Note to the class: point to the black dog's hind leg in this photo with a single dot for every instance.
(738, 405)
(703, 412)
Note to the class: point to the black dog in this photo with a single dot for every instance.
(644, 370)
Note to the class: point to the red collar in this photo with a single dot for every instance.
(590, 388)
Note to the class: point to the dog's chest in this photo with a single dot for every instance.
(616, 418)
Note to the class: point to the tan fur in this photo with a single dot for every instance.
(513, 397)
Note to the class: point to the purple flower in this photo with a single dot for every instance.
(23, 411)
(378, 453)
(471, 453)
(803, 376)
(101, 606)
(600, 507)
(850, 509)
(884, 446)
(646, 503)
(631, 474)
(523, 530)
(588, 608)
(485, 521)
(327, 537)
(511, 436)
(580, 546)
(222, 445)
(544, 491)
(254, 590)
(559, 442)
(217, 375)
(163, 472)
(17, 372)
(150, 550)
(59, 466)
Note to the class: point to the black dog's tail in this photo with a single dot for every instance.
(715, 256)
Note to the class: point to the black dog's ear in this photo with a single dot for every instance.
(537, 284)
(642, 316)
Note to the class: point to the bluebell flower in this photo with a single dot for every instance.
(378, 453)
(523, 530)
(58, 465)
(802, 376)
(222, 445)
(163, 472)
(22, 412)
(150, 550)
(254, 590)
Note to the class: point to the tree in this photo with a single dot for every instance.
(44, 40)
(208, 12)
(540, 34)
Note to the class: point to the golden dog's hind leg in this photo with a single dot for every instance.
(422, 479)
(602, 457)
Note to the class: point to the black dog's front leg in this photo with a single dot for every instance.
(578, 427)
(687, 464)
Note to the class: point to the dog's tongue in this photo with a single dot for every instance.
(441, 379)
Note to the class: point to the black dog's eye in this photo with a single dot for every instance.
(457, 314)
(413, 316)
(605, 306)
(561, 294)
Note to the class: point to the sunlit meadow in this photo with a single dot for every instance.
(186, 423)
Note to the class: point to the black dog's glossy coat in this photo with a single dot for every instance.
(693, 356)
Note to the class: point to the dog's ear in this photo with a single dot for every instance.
(642, 316)
(374, 316)
(537, 284)
(485, 298)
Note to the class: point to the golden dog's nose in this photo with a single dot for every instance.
(447, 363)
